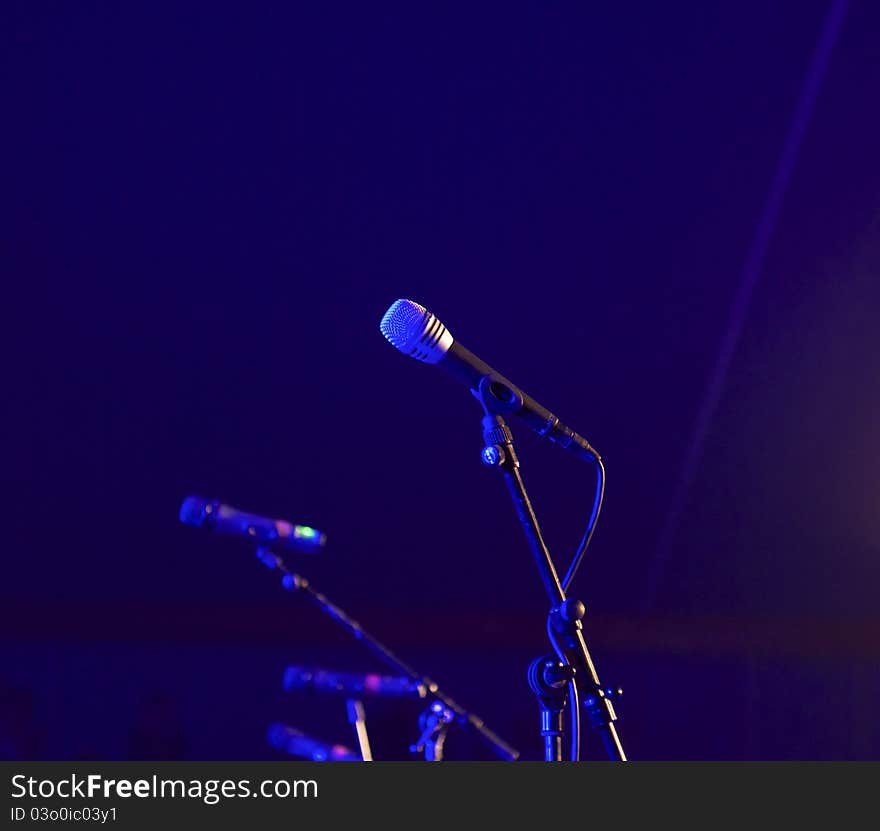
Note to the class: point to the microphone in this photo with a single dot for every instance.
(273, 533)
(296, 743)
(412, 329)
(322, 680)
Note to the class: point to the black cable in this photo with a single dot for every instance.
(591, 527)
(574, 704)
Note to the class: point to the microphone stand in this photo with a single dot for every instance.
(436, 719)
(354, 709)
(564, 626)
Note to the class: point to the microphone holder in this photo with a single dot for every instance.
(441, 713)
(564, 626)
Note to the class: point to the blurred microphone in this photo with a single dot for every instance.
(412, 329)
(322, 680)
(273, 533)
(296, 743)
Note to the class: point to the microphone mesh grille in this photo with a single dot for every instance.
(402, 321)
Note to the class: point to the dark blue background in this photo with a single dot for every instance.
(206, 211)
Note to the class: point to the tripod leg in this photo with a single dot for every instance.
(357, 718)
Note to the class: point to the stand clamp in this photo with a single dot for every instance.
(548, 679)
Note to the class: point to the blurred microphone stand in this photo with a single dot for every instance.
(434, 723)
(549, 678)
(358, 720)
